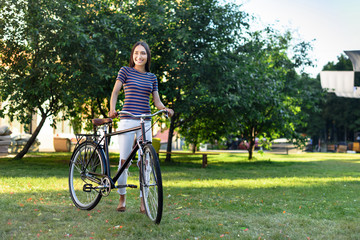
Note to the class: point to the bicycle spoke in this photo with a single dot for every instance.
(152, 184)
(86, 159)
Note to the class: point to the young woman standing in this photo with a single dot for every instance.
(138, 84)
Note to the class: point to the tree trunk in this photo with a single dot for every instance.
(170, 137)
(194, 147)
(251, 149)
(252, 144)
(32, 139)
(102, 111)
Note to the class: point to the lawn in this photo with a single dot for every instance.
(303, 196)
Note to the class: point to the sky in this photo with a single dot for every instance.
(334, 25)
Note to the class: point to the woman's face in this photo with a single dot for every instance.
(140, 56)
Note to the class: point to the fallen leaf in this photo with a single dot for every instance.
(176, 218)
(222, 235)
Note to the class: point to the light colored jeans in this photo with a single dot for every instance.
(126, 141)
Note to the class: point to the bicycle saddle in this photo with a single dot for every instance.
(101, 121)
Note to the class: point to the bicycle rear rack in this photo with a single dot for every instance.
(82, 137)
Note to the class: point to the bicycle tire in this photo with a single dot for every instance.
(151, 183)
(86, 158)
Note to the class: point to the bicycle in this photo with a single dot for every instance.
(90, 176)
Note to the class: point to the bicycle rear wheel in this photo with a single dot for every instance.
(151, 184)
(87, 167)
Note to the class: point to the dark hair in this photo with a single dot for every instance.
(147, 49)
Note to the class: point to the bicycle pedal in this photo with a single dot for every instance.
(87, 187)
(131, 186)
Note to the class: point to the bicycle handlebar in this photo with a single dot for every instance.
(142, 115)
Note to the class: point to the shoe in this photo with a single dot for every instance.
(121, 207)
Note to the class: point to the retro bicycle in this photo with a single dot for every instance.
(90, 177)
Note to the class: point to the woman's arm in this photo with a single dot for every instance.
(114, 97)
(159, 105)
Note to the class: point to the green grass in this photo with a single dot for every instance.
(305, 196)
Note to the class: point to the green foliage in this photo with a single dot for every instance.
(219, 77)
(200, 38)
(267, 96)
(32, 77)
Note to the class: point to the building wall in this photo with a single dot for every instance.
(64, 129)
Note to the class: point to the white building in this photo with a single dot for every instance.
(63, 130)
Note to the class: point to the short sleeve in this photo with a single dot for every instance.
(155, 84)
(122, 75)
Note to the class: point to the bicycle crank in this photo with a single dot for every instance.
(105, 187)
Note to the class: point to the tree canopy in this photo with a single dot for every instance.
(268, 96)
(33, 77)
(219, 77)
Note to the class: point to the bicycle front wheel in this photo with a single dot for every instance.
(151, 184)
(87, 167)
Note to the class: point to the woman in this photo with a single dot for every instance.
(138, 84)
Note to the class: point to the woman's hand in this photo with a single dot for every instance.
(170, 111)
(113, 114)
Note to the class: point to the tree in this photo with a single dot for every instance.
(99, 44)
(33, 79)
(193, 33)
(268, 95)
(67, 54)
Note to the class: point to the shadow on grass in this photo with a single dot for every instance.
(237, 169)
(227, 166)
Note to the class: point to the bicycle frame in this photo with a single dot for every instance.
(137, 145)
(141, 141)
(90, 174)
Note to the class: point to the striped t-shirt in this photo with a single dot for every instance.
(138, 87)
